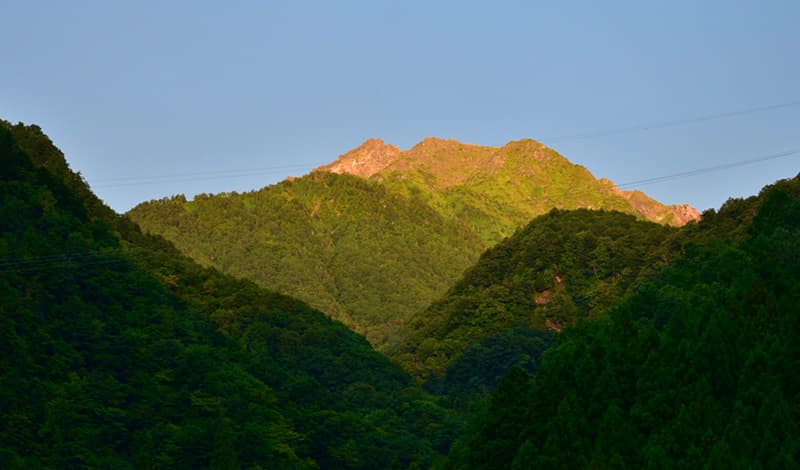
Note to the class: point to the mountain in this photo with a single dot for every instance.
(562, 267)
(119, 352)
(379, 234)
(603, 340)
(497, 189)
(350, 247)
(697, 368)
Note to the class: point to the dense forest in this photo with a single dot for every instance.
(585, 339)
(562, 267)
(335, 241)
(119, 352)
(375, 247)
(697, 369)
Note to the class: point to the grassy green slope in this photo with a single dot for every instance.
(120, 352)
(563, 266)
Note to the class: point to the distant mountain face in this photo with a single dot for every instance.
(380, 233)
(498, 188)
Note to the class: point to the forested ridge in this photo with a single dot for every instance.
(358, 252)
(696, 369)
(587, 339)
(381, 233)
(119, 352)
(562, 267)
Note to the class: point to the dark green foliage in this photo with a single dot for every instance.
(481, 366)
(118, 352)
(562, 267)
(697, 369)
(679, 348)
(44, 154)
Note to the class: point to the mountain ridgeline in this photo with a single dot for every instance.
(497, 189)
(378, 235)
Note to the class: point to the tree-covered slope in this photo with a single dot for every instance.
(381, 233)
(118, 352)
(349, 247)
(562, 267)
(697, 369)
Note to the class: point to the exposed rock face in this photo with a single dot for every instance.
(680, 214)
(371, 157)
(447, 162)
(685, 213)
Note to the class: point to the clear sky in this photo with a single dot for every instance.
(150, 99)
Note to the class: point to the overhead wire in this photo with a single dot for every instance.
(63, 260)
(206, 173)
(204, 176)
(124, 181)
(710, 169)
(89, 258)
(673, 123)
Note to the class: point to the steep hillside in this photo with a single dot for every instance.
(381, 233)
(118, 352)
(562, 267)
(350, 247)
(697, 369)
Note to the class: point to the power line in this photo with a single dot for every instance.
(674, 123)
(203, 176)
(63, 260)
(97, 257)
(46, 258)
(207, 173)
(241, 173)
(710, 169)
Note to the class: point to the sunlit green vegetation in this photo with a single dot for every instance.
(349, 247)
(373, 252)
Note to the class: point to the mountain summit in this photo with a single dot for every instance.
(369, 158)
(522, 179)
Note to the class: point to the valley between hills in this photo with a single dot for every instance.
(448, 306)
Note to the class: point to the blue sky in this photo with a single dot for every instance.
(150, 99)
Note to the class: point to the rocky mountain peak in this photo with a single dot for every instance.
(365, 160)
(513, 173)
(685, 213)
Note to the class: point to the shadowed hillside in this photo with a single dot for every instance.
(696, 369)
(119, 352)
(562, 267)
